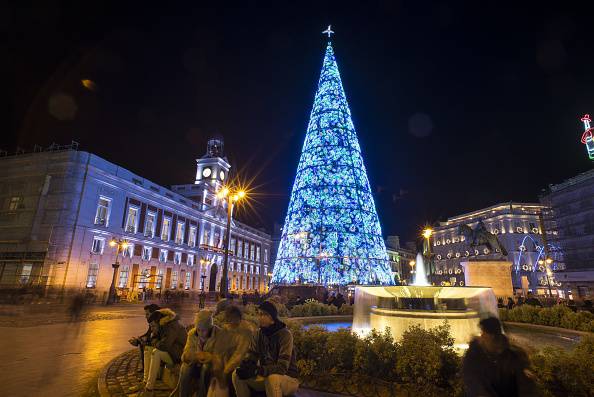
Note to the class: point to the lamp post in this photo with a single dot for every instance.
(231, 197)
(203, 264)
(119, 245)
(427, 233)
(412, 264)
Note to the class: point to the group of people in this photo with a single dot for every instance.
(219, 360)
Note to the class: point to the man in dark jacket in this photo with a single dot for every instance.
(143, 340)
(271, 364)
(167, 347)
(494, 368)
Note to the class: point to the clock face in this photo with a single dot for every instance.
(222, 175)
(206, 172)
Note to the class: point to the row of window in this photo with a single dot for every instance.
(147, 253)
(145, 279)
(244, 249)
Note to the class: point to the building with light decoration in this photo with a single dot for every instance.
(331, 234)
(518, 228)
(61, 207)
(400, 260)
(571, 217)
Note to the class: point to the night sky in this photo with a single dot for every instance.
(458, 105)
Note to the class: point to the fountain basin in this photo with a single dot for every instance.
(400, 307)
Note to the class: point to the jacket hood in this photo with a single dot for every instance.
(169, 316)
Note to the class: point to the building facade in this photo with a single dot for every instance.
(517, 226)
(400, 260)
(571, 217)
(62, 207)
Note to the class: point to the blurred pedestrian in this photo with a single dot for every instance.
(201, 300)
(76, 306)
(510, 303)
(493, 368)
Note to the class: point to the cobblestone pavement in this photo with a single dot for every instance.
(123, 373)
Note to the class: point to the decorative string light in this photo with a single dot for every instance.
(331, 233)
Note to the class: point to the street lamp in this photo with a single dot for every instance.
(119, 245)
(231, 196)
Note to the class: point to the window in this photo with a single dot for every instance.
(246, 250)
(173, 279)
(232, 246)
(128, 252)
(257, 268)
(132, 219)
(159, 281)
(26, 273)
(252, 269)
(192, 236)
(102, 214)
(124, 274)
(98, 245)
(163, 256)
(206, 237)
(245, 267)
(166, 229)
(190, 260)
(146, 253)
(149, 224)
(92, 275)
(240, 248)
(144, 279)
(258, 253)
(265, 255)
(179, 232)
(177, 258)
(188, 279)
(14, 203)
(252, 251)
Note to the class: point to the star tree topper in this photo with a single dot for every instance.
(328, 31)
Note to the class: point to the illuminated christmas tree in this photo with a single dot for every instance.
(331, 233)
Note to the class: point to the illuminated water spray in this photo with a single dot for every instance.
(420, 274)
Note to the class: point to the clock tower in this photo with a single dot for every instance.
(212, 171)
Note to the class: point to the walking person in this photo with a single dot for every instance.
(493, 368)
(270, 364)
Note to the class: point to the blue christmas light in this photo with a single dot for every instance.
(331, 233)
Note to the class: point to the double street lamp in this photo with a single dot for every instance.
(231, 196)
(120, 245)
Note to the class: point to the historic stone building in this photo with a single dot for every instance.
(61, 207)
(518, 228)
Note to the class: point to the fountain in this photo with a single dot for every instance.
(400, 307)
(420, 275)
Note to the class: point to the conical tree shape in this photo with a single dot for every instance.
(331, 234)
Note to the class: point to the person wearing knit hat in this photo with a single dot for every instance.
(208, 349)
(270, 309)
(270, 364)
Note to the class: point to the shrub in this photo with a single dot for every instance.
(280, 306)
(310, 346)
(313, 308)
(556, 316)
(564, 373)
(426, 357)
(375, 355)
(341, 347)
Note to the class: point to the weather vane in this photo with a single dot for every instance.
(328, 31)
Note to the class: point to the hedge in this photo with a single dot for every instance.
(556, 316)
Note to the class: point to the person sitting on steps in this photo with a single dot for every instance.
(143, 340)
(270, 364)
(167, 347)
